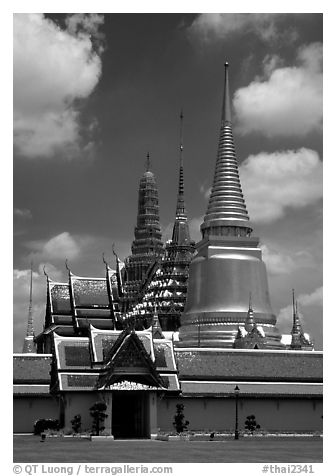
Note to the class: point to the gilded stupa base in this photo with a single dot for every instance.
(223, 334)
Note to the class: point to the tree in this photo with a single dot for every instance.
(97, 411)
(251, 424)
(180, 423)
(76, 423)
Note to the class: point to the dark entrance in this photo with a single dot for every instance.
(130, 414)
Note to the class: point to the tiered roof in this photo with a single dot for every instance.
(114, 359)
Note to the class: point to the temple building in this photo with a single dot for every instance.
(176, 323)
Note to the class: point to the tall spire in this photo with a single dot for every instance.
(250, 322)
(180, 207)
(148, 164)
(226, 213)
(296, 329)
(147, 245)
(181, 233)
(29, 345)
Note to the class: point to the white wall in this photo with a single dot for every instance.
(215, 414)
(80, 403)
(26, 410)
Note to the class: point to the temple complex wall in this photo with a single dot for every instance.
(28, 409)
(218, 414)
(79, 403)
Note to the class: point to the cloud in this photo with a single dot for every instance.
(286, 101)
(211, 27)
(54, 69)
(22, 213)
(273, 182)
(277, 263)
(59, 247)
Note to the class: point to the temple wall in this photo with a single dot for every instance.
(216, 414)
(26, 410)
(80, 403)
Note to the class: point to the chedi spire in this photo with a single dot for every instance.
(226, 213)
(228, 264)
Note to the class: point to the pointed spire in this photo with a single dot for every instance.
(180, 206)
(181, 233)
(29, 345)
(297, 328)
(226, 109)
(148, 164)
(249, 321)
(226, 213)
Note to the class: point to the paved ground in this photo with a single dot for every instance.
(29, 449)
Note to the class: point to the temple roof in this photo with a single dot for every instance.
(89, 292)
(249, 365)
(72, 352)
(259, 389)
(31, 368)
(59, 298)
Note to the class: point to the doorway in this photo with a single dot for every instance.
(130, 414)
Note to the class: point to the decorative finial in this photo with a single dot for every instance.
(250, 302)
(293, 301)
(148, 163)
(181, 136)
(113, 250)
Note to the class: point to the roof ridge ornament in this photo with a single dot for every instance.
(45, 273)
(67, 266)
(105, 262)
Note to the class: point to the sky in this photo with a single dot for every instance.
(94, 93)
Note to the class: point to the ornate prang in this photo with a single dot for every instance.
(147, 245)
(167, 281)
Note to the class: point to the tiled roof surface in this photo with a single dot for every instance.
(103, 345)
(60, 299)
(61, 319)
(31, 369)
(73, 353)
(78, 381)
(96, 313)
(90, 292)
(31, 389)
(194, 364)
(267, 389)
(164, 355)
(170, 382)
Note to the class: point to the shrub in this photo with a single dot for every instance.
(45, 424)
(179, 422)
(251, 424)
(97, 411)
(76, 423)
